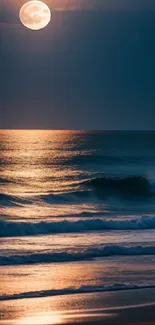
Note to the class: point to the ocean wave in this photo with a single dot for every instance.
(7, 200)
(12, 229)
(49, 198)
(3, 180)
(66, 197)
(84, 254)
(72, 290)
(87, 158)
(132, 185)
(90, 189)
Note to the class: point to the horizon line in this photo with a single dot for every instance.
(79, 130)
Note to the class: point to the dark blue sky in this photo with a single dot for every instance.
(89, 69)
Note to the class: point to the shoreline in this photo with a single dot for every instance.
(111, 308)
(59, 293)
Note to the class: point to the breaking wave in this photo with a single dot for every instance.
(12, 229)
(133, 185)
(84, 254)
(73, 290)
(99, 187)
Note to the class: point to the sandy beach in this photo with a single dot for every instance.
(127, 307)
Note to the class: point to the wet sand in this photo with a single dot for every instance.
(111, 308)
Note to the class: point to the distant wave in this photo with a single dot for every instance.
(133, 185)
(12, 229)
(71, 290)
(84, 254)
(83, 159)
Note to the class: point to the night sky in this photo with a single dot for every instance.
(92, 67)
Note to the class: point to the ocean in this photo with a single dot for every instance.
(77, 212)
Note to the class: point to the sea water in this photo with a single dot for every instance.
(77, 212)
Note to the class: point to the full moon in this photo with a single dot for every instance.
(35, 14)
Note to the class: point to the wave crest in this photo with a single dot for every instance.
(73, 290)
(85, 254)
(99, 187)
(12, 229)
(133, 185)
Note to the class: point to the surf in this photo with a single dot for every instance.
(91, 253)
(13, 229)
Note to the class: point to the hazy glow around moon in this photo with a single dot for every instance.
(35, 14)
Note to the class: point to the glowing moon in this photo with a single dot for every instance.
(35, 14)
